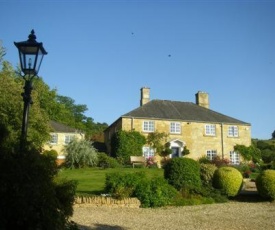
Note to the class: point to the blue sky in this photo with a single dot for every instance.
(100, 53)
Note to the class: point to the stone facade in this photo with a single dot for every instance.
(61, 136)
(192, 133)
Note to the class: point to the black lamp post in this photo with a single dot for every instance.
(31, 54)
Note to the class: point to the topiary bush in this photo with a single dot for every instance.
(207, 172)
(229, 180)
(265, 183)
(183, 173)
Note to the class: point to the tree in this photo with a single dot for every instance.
(11, 110)
(156, 141)
(80, 153)
(273, 135)
(125, 144)
(47, 105)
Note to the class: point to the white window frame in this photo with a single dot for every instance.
(148, 152)
(54, 139)
(234, 158)
(148, 126)
(233, 131)
(211, 154)
(175, 127)
(210, 130)
(68, 138)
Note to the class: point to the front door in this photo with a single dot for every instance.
(175, 152)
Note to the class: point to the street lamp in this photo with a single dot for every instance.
(31, 54)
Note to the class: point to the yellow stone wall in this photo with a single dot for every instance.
(193, 135)
(61, 143)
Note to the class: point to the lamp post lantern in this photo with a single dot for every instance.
(31, 54)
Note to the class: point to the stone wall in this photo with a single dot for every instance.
(107, 201)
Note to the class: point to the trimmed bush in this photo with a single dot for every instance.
(155, 192)
(207, 172)
(121, 185)
(265, 184)
(183, 173)
(229, 180)
(104, 161)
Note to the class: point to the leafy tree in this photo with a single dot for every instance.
(80, 153)
(156, 140)
(273, 135)
(11, 110)
(127, 143)
(48, 105)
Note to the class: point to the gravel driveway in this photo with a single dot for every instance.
(250, 215)
(231, 215)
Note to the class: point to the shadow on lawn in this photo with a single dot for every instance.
(101, 227)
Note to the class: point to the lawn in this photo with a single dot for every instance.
(92, 180)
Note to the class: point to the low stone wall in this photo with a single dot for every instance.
(106, 201)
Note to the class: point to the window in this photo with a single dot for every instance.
(148, 152)
(148, 126)
(210, 130)
(54, 139)
(68, 139)
(211, 154)
(233, 131)
(175, 127)
(234, 158)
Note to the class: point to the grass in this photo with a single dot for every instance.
(92, 180)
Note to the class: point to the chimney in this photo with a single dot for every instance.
(202, 99)
(145, 95)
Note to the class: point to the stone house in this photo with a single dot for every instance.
(203, 131)
(61, 135)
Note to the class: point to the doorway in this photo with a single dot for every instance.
(175, 152)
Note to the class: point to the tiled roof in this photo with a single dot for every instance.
(180, 111)
(60, 128)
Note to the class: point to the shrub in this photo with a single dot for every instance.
(155, 192)
(125, 144)
(29, 196)
(80, 153)
(204, 160)
(183, 173)
(121, 185)
(219, 162)
(207, 172)
(229, 180)
(104, 161)
(265, 184)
